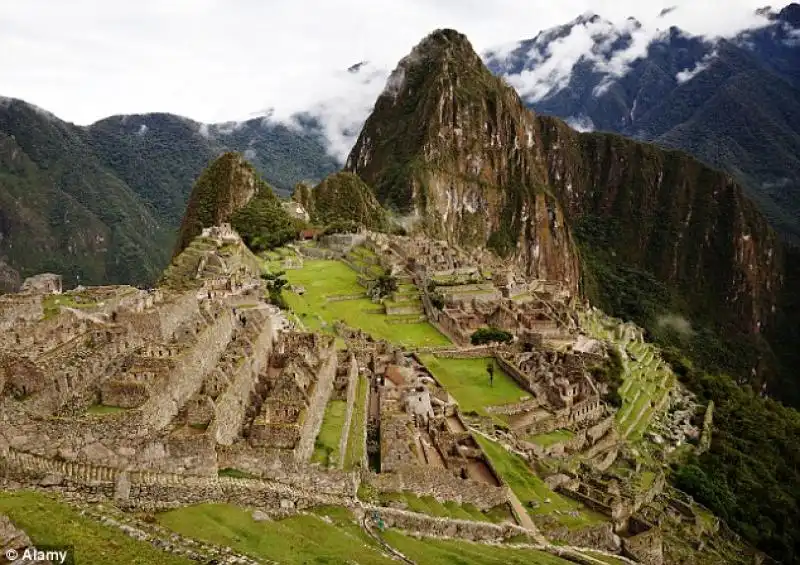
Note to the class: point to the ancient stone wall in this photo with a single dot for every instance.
(155, 491)
(19, 308)
(190, 370)
(424, 480)
(447, 527)
(316, 407)
(646, 548)
(599, 536)
(515, 373)
(231, 404)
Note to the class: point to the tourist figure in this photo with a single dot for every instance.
(490, 370)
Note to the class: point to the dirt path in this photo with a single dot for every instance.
(455, 425)
(524, 518)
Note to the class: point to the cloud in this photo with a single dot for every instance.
(676, 323)
(219, 61)
(703, 64)
(581, 123)
(142, 130)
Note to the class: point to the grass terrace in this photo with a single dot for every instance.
(50, 522)
(330, 535)
(515, 472)
(326, 448)
(325, 279)
(450, 509)
(355, 440)
(432, 551)
(546, 440)
(468, 382)
(646, 380)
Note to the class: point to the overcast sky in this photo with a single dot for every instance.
(219, 60)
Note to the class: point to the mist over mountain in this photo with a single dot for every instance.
(732, 102)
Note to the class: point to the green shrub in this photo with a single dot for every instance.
(490, 335)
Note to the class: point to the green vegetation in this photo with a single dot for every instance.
(529, 488)
(355, 440)
(235, 473)
(297, 540)
(326, 448)
(324, 279)
(546, 440)
(447, 552)
(468, 381)
(490, 335)
(429, 505)
(343, 197)
(48, 521)
(52, 303)
(751, 475)
(264, 223)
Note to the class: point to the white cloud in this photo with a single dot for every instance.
(220, 60)
(581, 123)
(142, 130)
(689, 74)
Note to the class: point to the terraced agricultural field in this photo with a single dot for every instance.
(646, 380)
(50, 522)
(326, 448)
(468, 382)
(528, 487)
(322, 280)
(302, 539)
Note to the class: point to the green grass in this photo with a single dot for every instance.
(515, 472)
(322, 279)
(52, 303)
(102, 410)
(235, 473)
(355, 440)
(326, 448)
(301, 539)
(448, 552)
(48, 521)
(450, 509)
(546, 440)
(468, 381)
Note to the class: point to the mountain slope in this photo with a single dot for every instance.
(342, 197)
(734, 103)
(70, 213)
(452, 146)
(101, 204)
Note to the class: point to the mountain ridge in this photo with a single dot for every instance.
(101, 203)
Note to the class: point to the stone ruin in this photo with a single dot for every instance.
(46, 283)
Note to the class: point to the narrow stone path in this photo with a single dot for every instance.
(524, 518)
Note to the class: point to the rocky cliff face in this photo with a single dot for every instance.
(689, 225)
(225, 187)
(454, 147)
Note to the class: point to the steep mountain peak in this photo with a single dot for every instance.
(225, 187)
(454, 147)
